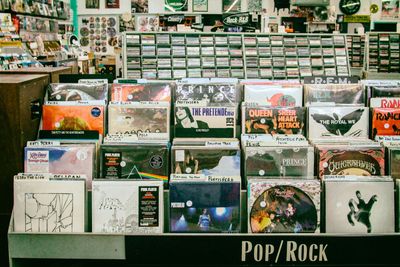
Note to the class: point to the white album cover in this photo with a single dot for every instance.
(359, 206)
(49, 206)
(274, 95)
(132, 207)
(338, 122)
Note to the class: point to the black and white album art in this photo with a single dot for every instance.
(212, 93)
(359, 206)
(338, 121)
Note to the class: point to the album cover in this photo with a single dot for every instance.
(151, 120)
(65, 159)
(201, 121)
(209, 161)
(274, 95)
(141, 92)
(363, 206)
(361, 161)
(214, 93)
(76, 92)
(337, 94)
(134, 161)
(385, 121)
(338, 122)
(273, 120)
(200, 207)
(49, 206)
(279, 161)
(394, 162)
(73, 117)
(283, 206)
(128, 207)
(384, 102)
(385, 90)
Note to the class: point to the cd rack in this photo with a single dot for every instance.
(383, 53)
(166, 56)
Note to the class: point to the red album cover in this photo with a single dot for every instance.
(385, 121)
(73, 118)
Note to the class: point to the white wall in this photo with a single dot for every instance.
(125, 6)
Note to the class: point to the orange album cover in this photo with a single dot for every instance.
(385, 121)
(73, 118)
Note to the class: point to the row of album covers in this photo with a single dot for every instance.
(337, 181)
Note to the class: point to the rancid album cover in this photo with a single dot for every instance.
(268, 120)
(359, 206)
(135, 161)
(283, 206)
(385, 121)
(205, 207)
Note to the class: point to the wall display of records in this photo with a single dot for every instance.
(99, 34)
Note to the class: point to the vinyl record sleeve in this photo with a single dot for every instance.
(129, 207)
(77, 92)
(295, 205)
(279, 161)
(268, 120)
(134, 161)
(65, 159)
(49, 206)
(338, 122)
(274, 95)
(394, 162)
(72, 117)
(136, 118)
(385, 121)
(362, 161)
(334, 94)
(212, 93)
(359, 206)
(205, 207)
(205, 161)
(205, 121)
(141, 92)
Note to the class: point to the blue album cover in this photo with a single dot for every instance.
(205, 207)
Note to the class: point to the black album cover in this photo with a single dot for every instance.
(279, 161)
(385, 91)
(394, 162)
(338, 121)
(134, 161)
(215, 93)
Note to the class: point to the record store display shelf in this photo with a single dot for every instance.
(238, 55)
(383, 52)
(97, 249)
(356, 48)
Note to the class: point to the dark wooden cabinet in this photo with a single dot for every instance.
(52, 72)
(18, 93)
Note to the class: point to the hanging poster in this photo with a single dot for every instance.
(112, 3)
(176, 5)
(140, 6)
(92, 3)
(390, 9)
(254, 5)
(146, 23)
(200, 5)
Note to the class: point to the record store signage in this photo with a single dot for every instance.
(238, 19)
